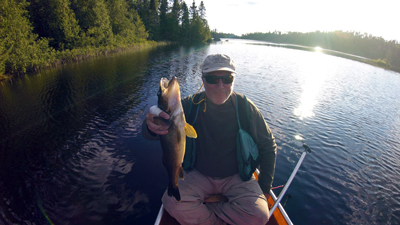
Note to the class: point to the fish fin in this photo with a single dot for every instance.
(190, 131)
(181, 173)
(174, 191)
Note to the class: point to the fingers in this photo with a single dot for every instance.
(164, 115)
(154, 110)
(160, 129)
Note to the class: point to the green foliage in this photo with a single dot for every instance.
(218, 35)
(20, 50)
(55, 20)
(194, 26)
(66, 24)
(153, 20)
(140, 32)
(185, 24)
(125, 23)
(94, 19)
(39, 33)
(382, 63)
(175, 23)
(200, 32)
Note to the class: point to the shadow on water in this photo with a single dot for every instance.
(70, 147)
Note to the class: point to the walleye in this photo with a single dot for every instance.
(174, 143)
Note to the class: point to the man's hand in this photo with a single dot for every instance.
(267, 195)
(152, 125)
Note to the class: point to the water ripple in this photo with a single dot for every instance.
(83, 160)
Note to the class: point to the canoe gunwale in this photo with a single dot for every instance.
(281, 209)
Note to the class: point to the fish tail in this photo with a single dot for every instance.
(174, 191)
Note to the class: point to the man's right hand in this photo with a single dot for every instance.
(157, 128)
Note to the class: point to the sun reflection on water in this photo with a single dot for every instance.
(298, 137)
(314, 75)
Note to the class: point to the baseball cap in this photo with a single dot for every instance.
(218, 62)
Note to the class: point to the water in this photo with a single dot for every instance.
(71, 151)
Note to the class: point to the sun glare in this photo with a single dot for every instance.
(298, 137)
(318, 49)
(313, 76)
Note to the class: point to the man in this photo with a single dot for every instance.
(214, 171)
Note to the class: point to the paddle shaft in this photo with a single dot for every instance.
(290, 180)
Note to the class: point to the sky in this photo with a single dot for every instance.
(378, 18)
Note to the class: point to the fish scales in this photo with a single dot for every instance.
(173, 143)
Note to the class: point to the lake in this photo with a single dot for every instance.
(71, 150)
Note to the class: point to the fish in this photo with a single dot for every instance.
(173, 144)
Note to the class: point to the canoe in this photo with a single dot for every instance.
(279, 216)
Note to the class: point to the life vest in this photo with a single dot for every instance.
(247, 150)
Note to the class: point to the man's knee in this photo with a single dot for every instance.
(168, 202)
(262, 214)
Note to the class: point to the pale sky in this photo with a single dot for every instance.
(379, 18)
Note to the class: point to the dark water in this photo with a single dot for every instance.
(71, 151)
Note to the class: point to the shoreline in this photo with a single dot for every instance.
(374, 62)
(79, 55)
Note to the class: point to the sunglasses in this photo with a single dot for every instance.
(211, 79)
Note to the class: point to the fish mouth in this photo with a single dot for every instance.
(169, 84)
(170, 90)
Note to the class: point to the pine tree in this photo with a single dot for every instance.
(94, 20)
(125, 22)
(175, 17)
(185, 24)
(164, 23)
(202, 11)
(65, 25)
(20, 50)
(153, 20)
(141, 34)
(169, 21)
(55, 20)
(199, 30)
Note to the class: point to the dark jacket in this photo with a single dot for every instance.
(218, 162)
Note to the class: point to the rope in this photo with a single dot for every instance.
(204, 99)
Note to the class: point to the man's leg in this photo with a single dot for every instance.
(191, 210)
(246, 205)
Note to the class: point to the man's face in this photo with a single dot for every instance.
(218, 93)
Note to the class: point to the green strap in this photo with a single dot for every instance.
(190, 155)
(237, 112)
(247, 109)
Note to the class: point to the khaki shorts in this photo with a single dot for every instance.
(246, 202)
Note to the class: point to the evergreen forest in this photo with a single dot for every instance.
(35, 34)
(376, 50)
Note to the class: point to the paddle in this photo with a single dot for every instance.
(306, 149)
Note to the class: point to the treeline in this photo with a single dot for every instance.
(218, 35)
(385, 53)
(39, 33)
(176, 23)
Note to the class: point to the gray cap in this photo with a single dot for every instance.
(218, 62)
